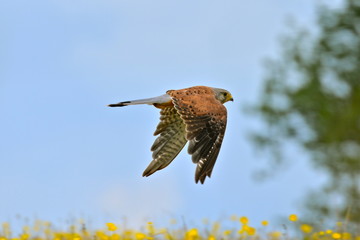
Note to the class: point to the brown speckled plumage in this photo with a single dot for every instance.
(205, 119)
(195, 114)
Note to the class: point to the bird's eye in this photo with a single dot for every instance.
(225, 94)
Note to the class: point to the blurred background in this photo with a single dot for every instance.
(292, 141)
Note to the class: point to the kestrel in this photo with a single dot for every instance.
(194, 114)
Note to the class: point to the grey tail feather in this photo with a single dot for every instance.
(161, 99)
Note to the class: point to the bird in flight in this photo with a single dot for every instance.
(195, 115)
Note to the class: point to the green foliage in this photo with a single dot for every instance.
(311, 97)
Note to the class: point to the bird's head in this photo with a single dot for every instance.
(223, 95)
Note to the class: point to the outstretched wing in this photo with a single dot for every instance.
(170, 142)
(205, 118)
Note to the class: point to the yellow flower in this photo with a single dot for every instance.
(127, 234)
(227, 232)
(47, 231)
(72, 228)
(150, 228)
(211, 237)
(336, 235)
(251, 231)
(111, 226)
(37, 225)
(264, 223)
(162, 231)
(357, 238)
(244, 220)
(6, 225)
(329, 231)
(24, 236)
(215, 228)
(47, 224)
(141, 236)
(168, 236)
(293, 217)
(58, 235)
(243, 229)
(306, 228)
(275, 234)
(346, 236)
(99, 234)
(192, 234)
(6, 229)
(26, 229)
(314, 236)
(114, 237)
(85, 232)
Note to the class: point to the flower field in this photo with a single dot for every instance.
(42, 230)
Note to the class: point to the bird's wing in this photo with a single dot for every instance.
(205, 118)
(170, 142)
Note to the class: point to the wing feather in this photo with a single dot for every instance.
(205, 118)
(170, 142)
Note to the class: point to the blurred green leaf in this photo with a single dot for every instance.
(311, 96)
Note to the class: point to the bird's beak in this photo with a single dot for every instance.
(231, 99)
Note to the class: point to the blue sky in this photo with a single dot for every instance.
(63, 153)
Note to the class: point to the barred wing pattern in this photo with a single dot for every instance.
(170, 142)
(205, 119)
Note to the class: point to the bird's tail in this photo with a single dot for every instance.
(155, 100)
